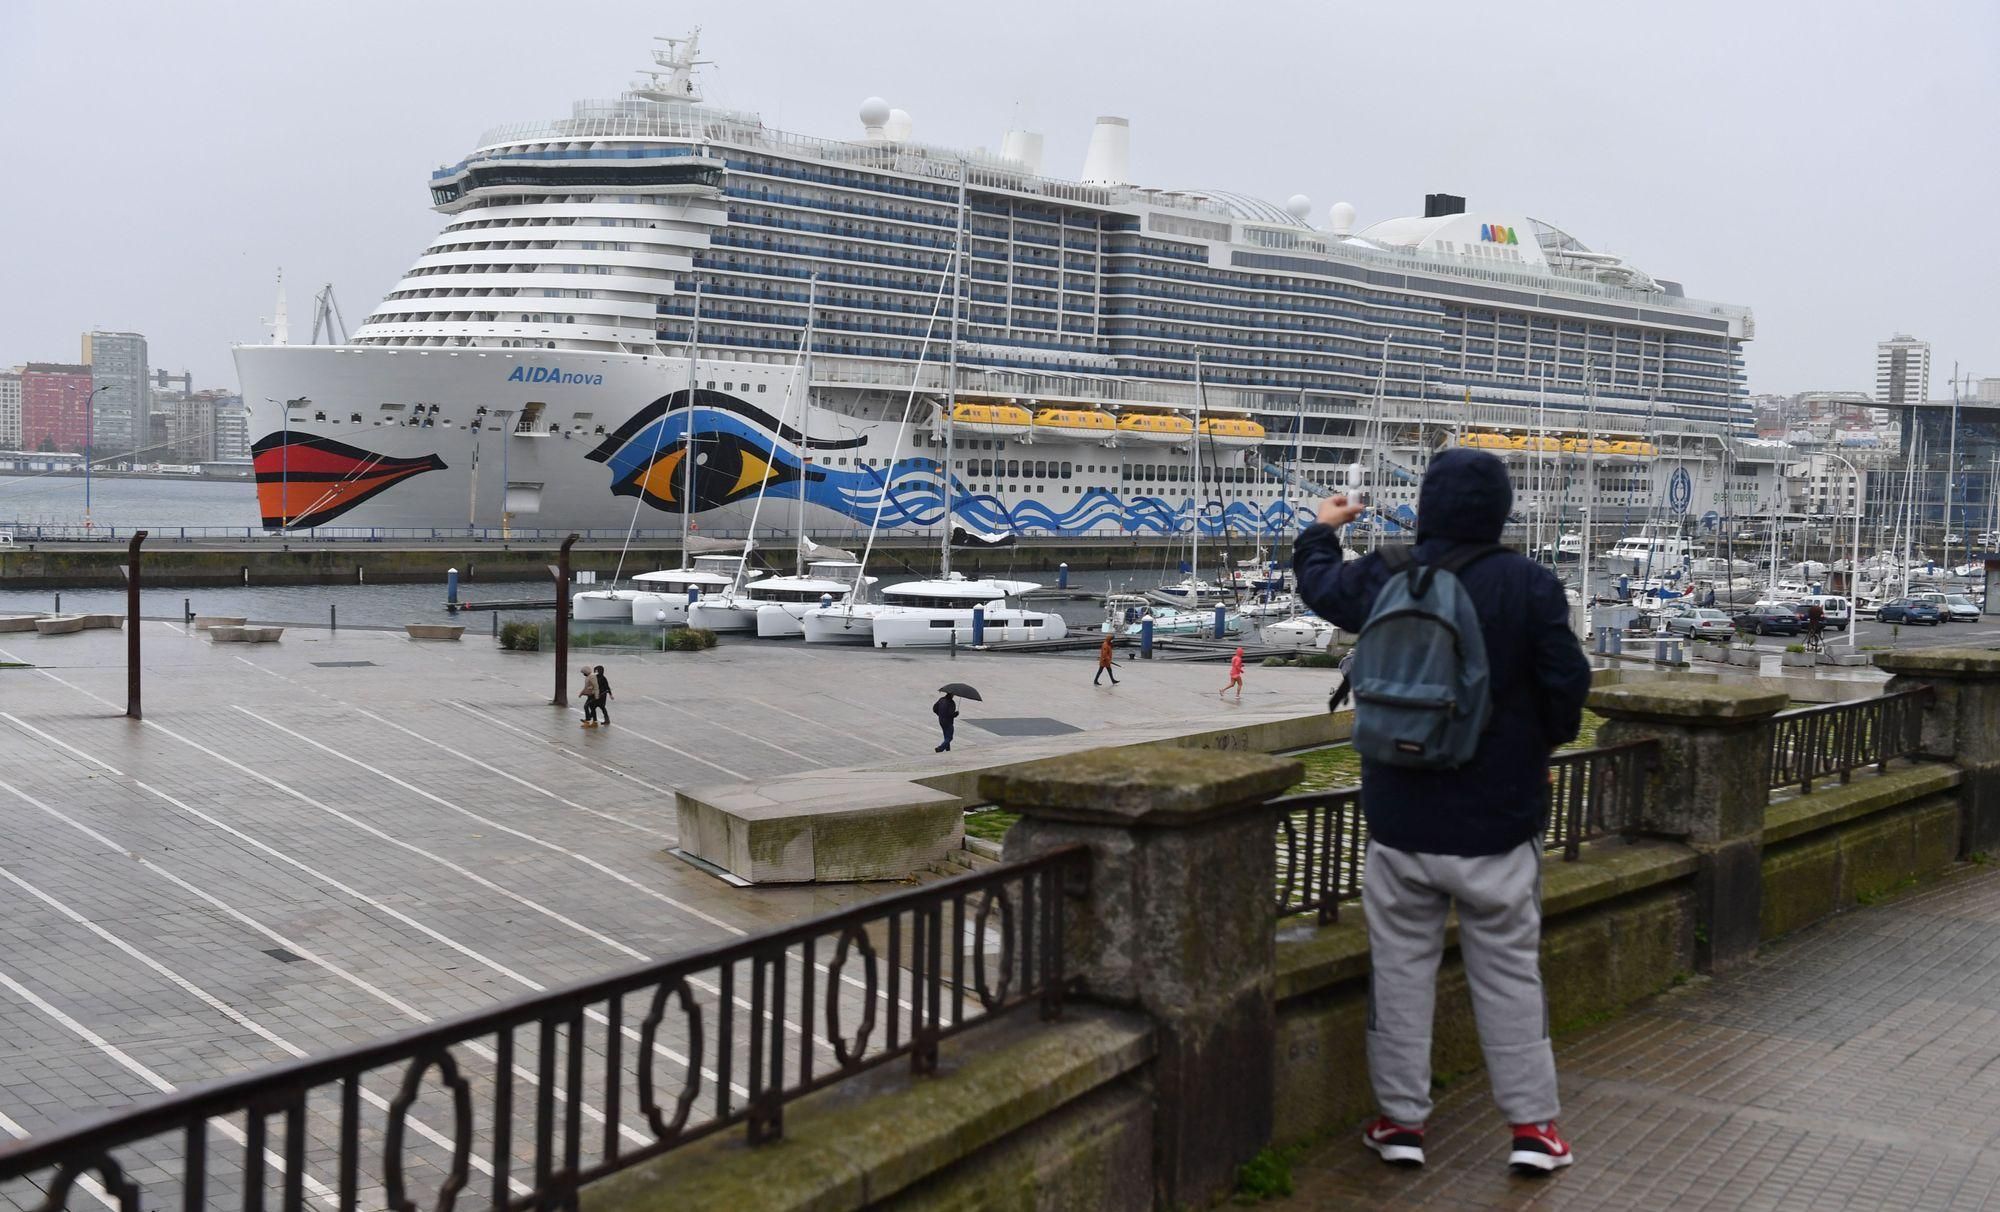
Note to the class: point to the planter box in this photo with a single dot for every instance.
(434, 631)
(1847, 658)
(1798, 660)
(1750, 658)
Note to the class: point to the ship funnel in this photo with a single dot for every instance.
(1109, 160)
(1023, 147)
(898, 126)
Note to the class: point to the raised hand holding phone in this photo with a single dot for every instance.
(1339, 509)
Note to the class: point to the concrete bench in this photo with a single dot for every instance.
(434, 631)
(59, 624)
(202, 622)
(102, 622)
(245, 635)
(19, 622)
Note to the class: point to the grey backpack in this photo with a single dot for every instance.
(1418, 671)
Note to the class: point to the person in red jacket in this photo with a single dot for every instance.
(1235, 676)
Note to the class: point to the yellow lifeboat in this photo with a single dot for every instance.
(1232, 431)
(1545, 445)
(1585, 446)
(1632, 450)
(1484, 441)
(1163, 427)
(996, 420)
(1077, 423)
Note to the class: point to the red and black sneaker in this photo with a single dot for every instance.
(1539, 1149)
(1395, 1143)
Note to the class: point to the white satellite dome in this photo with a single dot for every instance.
(874, 112)
(1299, 206)
(1340, 216)
(898, 126)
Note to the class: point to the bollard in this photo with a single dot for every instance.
(332, 617)
(978, 626)
(495, 616)
(187, 610)
(694, 594)
(58, 601)
(1146, 638)
(451, 587)
(1221, 621)
(1062, 576)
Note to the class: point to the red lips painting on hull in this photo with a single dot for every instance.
(311, 481)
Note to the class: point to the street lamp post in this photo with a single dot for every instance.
(89, 447)
(1853, 568)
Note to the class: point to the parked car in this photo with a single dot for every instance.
(1837, 611)
(1951, 607)
(1908, 610)
(1702, 623)
(1770, 618)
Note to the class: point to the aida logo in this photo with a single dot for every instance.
(549, 374)
(1493, 233)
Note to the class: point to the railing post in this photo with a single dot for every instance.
(1710, 789)
(1178, 922)
(1960, 724)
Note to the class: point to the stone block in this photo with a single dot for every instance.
(220, 634)
(433, 631)
(1801, 885)
(19, 622)
(844, 826)
(202, 622)
(263, 635)
(102, 622)
(59, 624)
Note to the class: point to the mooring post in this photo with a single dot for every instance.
(132, 625)
(560, 569)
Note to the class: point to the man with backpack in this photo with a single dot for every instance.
(1465, 678)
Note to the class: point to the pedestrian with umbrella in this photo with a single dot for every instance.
(946, 710)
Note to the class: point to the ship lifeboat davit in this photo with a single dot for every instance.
(1162, 427)
(1079, 424)
(994, 420)
(1232, 431)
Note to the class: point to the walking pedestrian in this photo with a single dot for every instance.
(589, 698)
(946, 710)
(1235, 676)
(1104, 662)
(603, 697)
(1469, 834)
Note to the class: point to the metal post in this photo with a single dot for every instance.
(1221, 620)
(560, 570)
(132, 625)
(1062, 576)
(450, 587)
(1146, 638)
(332, 617)
(978, 626)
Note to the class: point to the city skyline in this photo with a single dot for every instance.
(330, 132)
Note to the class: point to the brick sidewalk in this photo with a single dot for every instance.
(1856, 1065)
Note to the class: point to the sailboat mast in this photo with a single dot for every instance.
(805, 460)
(1194, 542)
(687, 433)
(951, 378)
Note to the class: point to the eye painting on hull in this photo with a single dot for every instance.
(311, 481)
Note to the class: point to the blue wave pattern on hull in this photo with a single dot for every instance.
(908, 493)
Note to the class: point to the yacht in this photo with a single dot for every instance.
(666, 592)
(934, 612)
(740, 609)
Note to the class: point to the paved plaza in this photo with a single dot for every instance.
(347, 834)
(1853, 1066)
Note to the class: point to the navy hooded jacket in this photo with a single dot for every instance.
(1539, 675)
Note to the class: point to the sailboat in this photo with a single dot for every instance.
(1191, 592)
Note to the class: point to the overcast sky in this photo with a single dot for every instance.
(1832, 165)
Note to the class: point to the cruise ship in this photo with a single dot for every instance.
(656, 314)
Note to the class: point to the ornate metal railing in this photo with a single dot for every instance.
(1839, 738)
(543, 1095)
(1596, 792)
(1323, 840)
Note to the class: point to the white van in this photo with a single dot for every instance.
(1838, 611)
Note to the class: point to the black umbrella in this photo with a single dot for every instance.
(961, 690)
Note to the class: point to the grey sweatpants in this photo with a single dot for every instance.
(1499, 897)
